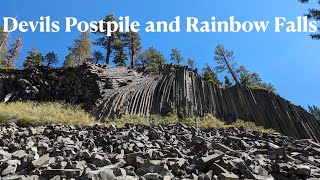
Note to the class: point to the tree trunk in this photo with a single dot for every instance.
(108, 51)
(132, 54)
(231, 71)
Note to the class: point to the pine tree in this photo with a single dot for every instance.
(3, 46)
(209, 74)
(81, 48)
(70, 61)
(313, 14)
(227, 82)
(97, 57)
(133, 43)
(191, 63)
(175, 56)
(51, 58)
(244, 75)
(314, 110)
(225, 60)
(33, 59)
(13, 53)
(252, 79)
(105, 41)
(120, 54)
(143, 59)
(151, 59)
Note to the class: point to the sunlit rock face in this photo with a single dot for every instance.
(109, 92)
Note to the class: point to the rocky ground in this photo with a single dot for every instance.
(153, 152)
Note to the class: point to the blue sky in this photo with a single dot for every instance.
(288, 60)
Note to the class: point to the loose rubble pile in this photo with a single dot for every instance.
(152, 152)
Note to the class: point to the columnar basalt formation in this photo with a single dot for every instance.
(109, 92)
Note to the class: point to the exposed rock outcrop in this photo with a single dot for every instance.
(109, 92)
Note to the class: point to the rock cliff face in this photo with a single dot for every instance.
(109, 92)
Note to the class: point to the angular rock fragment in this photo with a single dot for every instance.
(227, 176)
(41, 161)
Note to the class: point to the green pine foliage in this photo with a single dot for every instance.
(227, 81)
(97, 57)
(51, 58)
(151, 59)
(132, 42)
(313, 14)
(107, 42)
(209, 74)
(191, 63)
(33, 59)
(253, 80)
(70, 61)
(314, 110)
(226, 62)
(81, 48)
(120, 54)
(176, 56)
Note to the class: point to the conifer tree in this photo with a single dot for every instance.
(105, 41)
(120, 54)
(191, 63)
(313, 14)
(132, 41)
(70, 61)
(209, 74)
(151, 59)
(143, 59)
(33, 59)
(13, 53)
(314, 110)
(51, 58)
(252, 79)
(225, 61)
(97, 57)
(81, 48)
(227, 81)
(3, 46)
(176, 56)
(244, 75)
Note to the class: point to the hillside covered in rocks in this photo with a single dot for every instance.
(109, 92)
(152, 152)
